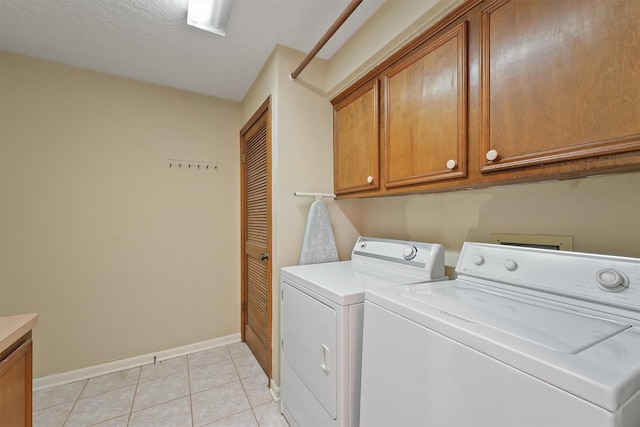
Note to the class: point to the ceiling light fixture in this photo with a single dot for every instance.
(209, 15)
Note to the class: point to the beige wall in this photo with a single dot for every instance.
(602, 214)
(119, 254)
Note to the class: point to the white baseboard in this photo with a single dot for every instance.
(132, 362)
(274, 389)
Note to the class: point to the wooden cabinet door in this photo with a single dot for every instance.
(16, 386)
(560, 81)
(356, 143)
(425, 112)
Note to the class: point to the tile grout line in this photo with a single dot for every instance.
(75, 403)
(135, 393)
(193, 423)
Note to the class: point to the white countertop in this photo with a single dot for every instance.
(14, 327)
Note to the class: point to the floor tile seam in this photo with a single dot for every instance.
(208, 364)
(110, 390)
(128, 414)
(142, 381)
(156, 405)
(66, 401)
(56, 404)
(75, 403)
(135, 393)
(255, 417)
(229, 416)
(225, 417)
(107, 420)
(235, 365)
(238, 379)
(190, 400)
(246, 393)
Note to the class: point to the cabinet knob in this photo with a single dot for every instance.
(492, 155)
(451, 164)
(369, 179)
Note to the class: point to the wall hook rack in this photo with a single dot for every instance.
(193, 164)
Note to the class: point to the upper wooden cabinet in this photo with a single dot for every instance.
(425, 112)
(496, 92)
(560, 81)
(356, 143)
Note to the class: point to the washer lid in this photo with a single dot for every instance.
(540, 338)
(559, 329)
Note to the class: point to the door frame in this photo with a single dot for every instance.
(264, 109)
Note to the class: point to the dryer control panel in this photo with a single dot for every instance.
(408, 257)
(605, 279)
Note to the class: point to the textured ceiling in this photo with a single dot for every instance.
(149, 40)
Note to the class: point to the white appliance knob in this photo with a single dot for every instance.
(610, 279)
(478, 259)
(510, 265)
(451, 164)
(492, 155)
(409, 252)
(369, 179)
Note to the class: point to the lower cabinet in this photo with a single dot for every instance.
(16, 384)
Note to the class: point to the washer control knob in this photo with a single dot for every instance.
(492, 155)
(451, 164)
(510, 265)
(409, 252)
(611, 280)
(478, 259)
(369, 179)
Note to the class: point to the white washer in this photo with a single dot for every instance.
(522, 337)
(321, 325)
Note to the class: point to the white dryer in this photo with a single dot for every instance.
(522, 338)
(321, 325)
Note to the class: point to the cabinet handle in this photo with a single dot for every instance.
(492, 155)
(369, 179)
(451, 164)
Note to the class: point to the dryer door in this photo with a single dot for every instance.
(309, 343)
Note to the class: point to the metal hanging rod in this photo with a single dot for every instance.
(330, 32)
(318, 196)
(193, 164)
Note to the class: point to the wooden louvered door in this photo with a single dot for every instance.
(255, 139)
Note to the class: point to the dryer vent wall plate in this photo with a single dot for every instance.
(540, 241)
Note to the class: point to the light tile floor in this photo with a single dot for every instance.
(221, 387)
